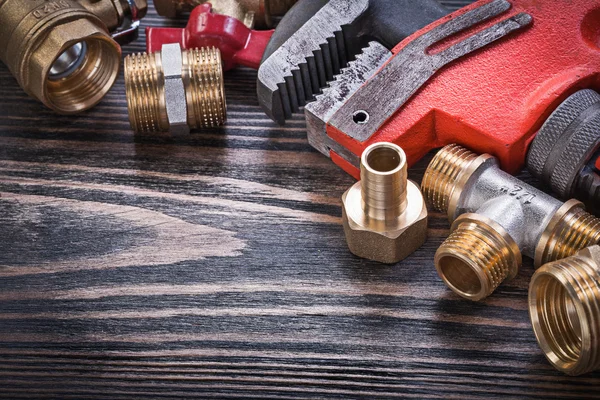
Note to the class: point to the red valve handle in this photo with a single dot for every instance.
(239, 45)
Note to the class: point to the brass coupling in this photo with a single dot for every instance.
(61, 51)
(564, 304)
(253, 13)
(175, 90)
(384, 215)
(496, 219)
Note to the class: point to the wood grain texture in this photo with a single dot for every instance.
(215, 266)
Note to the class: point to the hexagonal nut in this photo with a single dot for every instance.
(139, 8)
(592, 253)
(387, 246)
(166, 8)
(175, 96)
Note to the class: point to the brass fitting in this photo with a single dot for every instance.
(496, 219)
(61, 51)
(384, 215)
(174, 90)
(252, 13)
(564, 299)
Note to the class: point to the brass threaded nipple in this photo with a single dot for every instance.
(564, 299)
(144, 93)
(201, 90)
(571, 230)
(477, 257)
(442, 174)
(206, 92)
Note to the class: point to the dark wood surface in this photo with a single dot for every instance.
(215, 266)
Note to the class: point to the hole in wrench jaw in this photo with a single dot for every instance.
(361, 117)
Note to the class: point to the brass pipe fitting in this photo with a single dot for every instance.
(564, 299)
(497, 219)
(259, 13)
(384, 215)
(61, 51)
(174, 90)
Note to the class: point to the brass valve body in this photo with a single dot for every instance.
(61, 51)
(497, 219)
(564, 299)
(252, 13)
(174, 90)
(384, 215)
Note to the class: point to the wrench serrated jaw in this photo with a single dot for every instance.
(301, 67)
(339, 91)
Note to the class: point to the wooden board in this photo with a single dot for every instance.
(215, 266)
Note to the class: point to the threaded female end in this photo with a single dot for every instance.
(144, 85)
(564, 299)
(572, 229)
(477, 257)
(442, 174)
(384, 179)
(202, 80)
(205, 93)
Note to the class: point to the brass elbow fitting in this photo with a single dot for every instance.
(174, 90)
(61, 51)
(252, 13)
(384, 215)
(496, 220)
(564, 299)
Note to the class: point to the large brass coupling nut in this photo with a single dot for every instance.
(61, 51)
(174, 90)
(564, 304)
(384, 215)
(496, 220)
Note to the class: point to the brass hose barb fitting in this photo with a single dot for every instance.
(174, 90)
(384, 215)
(259, 13)
(564, 299)
(497, 219)
(61, 51)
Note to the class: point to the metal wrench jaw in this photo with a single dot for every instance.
(319, 112)
(318, 38)
(302, 65)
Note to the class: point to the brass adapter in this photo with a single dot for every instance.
(174, 90)
(496, 220)
(564, 299)
(252, 13)
(384, 215)
(61, 51)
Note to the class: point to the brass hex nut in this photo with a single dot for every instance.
(166, 8)
(386, 243)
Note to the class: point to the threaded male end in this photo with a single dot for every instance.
(174, 90)
(442, 174)
(564, 299)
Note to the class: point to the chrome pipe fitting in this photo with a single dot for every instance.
(497, 219)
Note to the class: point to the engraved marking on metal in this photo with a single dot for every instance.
(519, 193)
(412, 67)
(49, 8)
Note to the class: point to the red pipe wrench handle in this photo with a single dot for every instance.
(239, 44)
